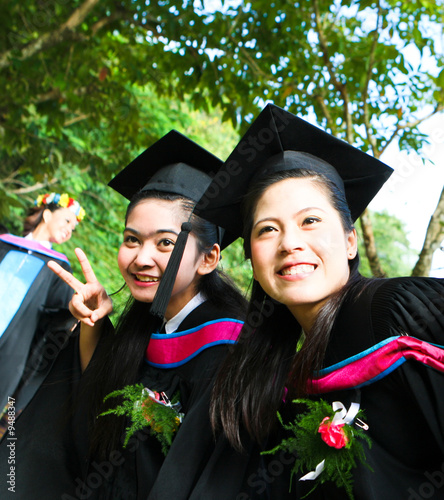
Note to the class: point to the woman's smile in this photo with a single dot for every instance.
(146, 280)
(299, 270)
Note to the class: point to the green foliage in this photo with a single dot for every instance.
(85, 87)
(235, 265)
(392, 243)
(143, 411)
(100, 233)
(310, 449)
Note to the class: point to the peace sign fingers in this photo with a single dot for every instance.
(66, 276)
(91, 302)
(87, 270)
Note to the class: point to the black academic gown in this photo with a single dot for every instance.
(199, 465)
(404, 403)
(34, 315)
(39, 448)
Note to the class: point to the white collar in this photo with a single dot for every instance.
(46, 244)
(172, 324)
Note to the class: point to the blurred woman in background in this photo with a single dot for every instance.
(33, 301)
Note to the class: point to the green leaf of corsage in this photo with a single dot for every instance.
(146, 408)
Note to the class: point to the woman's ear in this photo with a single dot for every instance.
(352, 244)
(47, 215)
(209, 261)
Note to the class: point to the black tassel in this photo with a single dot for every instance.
(163, 295)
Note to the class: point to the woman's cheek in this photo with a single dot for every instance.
(121, 260)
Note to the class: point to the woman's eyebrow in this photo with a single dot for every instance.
(158, 231)
(276, 219)
(266, 219)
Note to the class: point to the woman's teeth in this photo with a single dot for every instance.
(146, 279)
(299, 269)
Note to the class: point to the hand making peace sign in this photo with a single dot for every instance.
(90, 302)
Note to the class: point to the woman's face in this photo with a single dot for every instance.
(299, 249)
(60, 224)
(151, 231)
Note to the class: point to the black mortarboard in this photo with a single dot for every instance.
(173, 164)
(269, 146)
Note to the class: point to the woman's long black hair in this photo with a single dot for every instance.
(267, 360)
(119, 356)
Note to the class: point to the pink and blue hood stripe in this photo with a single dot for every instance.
(377, 362)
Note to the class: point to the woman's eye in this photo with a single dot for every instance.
(311, 220)
(130, 239)
(166, 243)
(266, 229)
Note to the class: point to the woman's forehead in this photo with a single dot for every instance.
(294, 191)
(155, 211)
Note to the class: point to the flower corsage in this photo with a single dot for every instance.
(148, 408)
(327, 441)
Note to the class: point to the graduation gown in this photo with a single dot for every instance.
(386, 353)
(198, 465)
(38, 454)
(33, 303)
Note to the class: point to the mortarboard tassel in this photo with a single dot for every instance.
(163, 295)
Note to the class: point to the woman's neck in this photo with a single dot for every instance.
(41, 233)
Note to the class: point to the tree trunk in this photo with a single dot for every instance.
(433, 239)
(370, 246)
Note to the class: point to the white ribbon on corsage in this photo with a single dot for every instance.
(341, 416)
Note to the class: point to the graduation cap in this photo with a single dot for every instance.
(278, 140)
(173, 164)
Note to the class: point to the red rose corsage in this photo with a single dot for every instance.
(327, 441)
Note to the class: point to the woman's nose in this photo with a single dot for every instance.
(291, 240)
(145, 256)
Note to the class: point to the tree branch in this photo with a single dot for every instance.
(370, 245)
(56, 95)
(115, 16)
(370, 63)
(75, 120)
(411, 124)
(66, 31)
(250, 61)
(35, 187)
(433, 239)
(319, 98)
(340, 87)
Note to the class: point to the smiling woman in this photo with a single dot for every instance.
(33, 302)
(324, 336)
(145, 388)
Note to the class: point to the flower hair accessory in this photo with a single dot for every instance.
(146, 408)
(327, 441)
(63, 201)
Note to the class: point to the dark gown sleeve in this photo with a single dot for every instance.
(405, 408)
(46, 465)
(201, 465)
(194, 443)
(415, 307)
